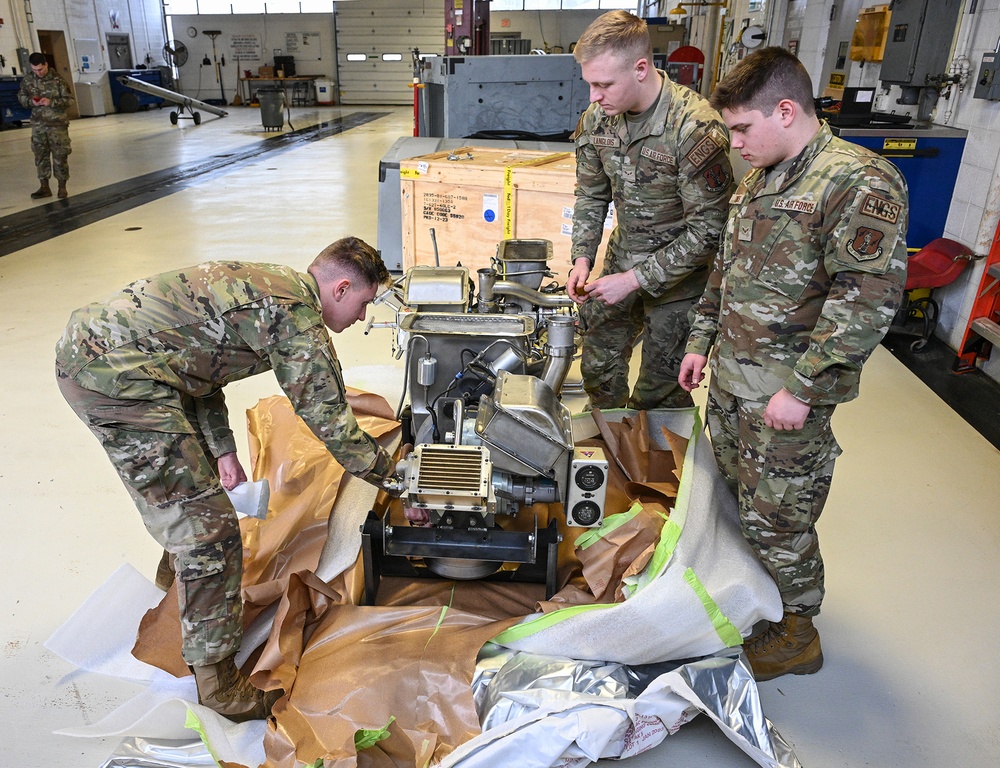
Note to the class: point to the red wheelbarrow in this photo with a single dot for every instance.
(935, 265)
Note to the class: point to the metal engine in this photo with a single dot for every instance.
(482, 402)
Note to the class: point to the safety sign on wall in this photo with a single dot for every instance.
(245, 47)
(303, 45)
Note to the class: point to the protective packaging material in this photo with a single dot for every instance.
(702, 575)
(401, 673)
(548, 711)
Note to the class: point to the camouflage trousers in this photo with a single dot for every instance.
(51, 147)
(173, 481)
(781, 480)
(610, 333)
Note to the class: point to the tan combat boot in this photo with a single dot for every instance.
(61, 192)
(790, 646)
(165, 571)
(44, 190)
(224, 689)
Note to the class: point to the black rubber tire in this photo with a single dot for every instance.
(173, 118)
(128, 102)
(197, 118)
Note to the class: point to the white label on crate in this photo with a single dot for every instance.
(567, 229)
(567, 212)
(491, 208)
(422, 167)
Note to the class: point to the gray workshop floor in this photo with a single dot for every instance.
(911, 534)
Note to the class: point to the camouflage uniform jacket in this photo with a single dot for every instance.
(51, 87)
(669, 184)
(197, 329)
(810, 275)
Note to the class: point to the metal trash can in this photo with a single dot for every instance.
(272, 108)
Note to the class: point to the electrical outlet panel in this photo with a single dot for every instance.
(987, 83)
(588, 487)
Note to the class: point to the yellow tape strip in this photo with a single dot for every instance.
(192, 722)
(611, 522)
(369, 737)
(508, 188)
(723, 626)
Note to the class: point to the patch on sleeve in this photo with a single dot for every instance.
(880, 208)
(716, 177)
(704, 150)
(866, 244)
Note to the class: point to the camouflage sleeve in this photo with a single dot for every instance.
(213, 421)
(704, 184)
(704, 315)
(24, 93)
(61, 96)
(309, 373)
(866, 259)
(593, 195)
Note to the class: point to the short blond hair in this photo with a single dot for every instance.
(350, 257)
(618, 32)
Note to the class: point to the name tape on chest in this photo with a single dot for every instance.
(880, 208)
(796, 204)
(652, 154)
(604, 141)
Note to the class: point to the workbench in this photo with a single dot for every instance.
(296, 81)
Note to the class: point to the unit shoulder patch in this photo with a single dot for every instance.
(717, 177)
(866, 244)
(704, 151)
(880, 208)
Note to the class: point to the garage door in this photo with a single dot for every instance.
(374, 44)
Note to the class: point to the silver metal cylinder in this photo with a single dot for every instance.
(427, 371)
(559, 352)
(508, 360)
(486, 303)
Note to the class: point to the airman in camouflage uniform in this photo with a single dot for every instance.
(658, 151)
(810, 276)
(48, 97)
(145, 370)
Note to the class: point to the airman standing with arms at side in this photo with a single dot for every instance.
(809, 278)
(48, 97)
(658, 151)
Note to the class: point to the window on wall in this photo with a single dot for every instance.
(226, 7)
(563, 5)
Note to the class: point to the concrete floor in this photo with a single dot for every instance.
(911, 535)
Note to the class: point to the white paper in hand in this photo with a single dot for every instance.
(251, 499)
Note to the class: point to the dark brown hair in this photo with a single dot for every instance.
(761, 80)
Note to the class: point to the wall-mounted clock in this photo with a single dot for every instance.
(192, 32)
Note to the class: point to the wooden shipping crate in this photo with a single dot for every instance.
(483, 196)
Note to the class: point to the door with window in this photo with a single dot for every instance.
(374, 44)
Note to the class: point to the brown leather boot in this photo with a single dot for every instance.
(61, 192)
(224, 689)
(165, 571)
(44, 190)
(788, 647)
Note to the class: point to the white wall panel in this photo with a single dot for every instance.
(374, 28)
